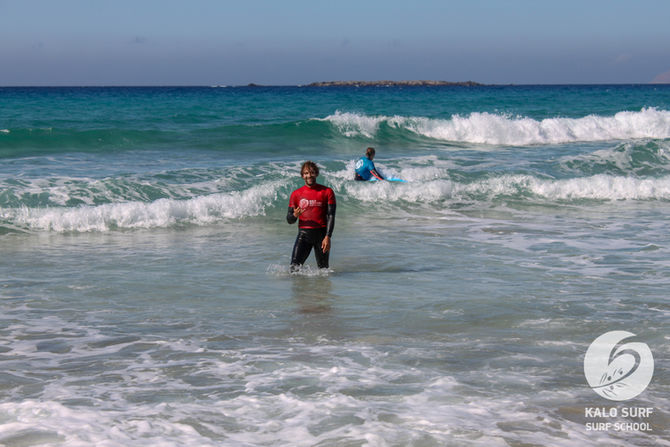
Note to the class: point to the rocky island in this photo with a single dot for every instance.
(393, 84)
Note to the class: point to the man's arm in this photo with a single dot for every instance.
(330, 224)
(291, 217)
(330, 219)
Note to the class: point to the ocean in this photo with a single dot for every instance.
(146, 299)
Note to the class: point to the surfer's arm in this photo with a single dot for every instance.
(376, 174)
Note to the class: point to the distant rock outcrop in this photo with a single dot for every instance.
(393, 84)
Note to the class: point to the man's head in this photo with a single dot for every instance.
(370, 153)
(309, 171)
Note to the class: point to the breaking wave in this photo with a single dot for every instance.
(501, 129)
(518, 187)
(438, 193)
(201, 210)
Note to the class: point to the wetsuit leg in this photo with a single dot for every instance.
(301, 248)
(321, 257)
(307, 239)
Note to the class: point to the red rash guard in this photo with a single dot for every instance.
(315, 202)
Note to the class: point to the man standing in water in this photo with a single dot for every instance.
(365, 168)
(314, 205)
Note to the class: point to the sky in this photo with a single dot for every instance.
(295, 42)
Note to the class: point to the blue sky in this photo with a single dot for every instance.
(208, 42)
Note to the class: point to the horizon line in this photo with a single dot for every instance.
(312, 85)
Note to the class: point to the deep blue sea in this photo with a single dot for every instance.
(145, 295)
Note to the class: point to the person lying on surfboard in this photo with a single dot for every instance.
(365, 168)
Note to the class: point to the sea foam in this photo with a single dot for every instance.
(440, 192)
(524, 187)
(160, 213)
(502, 129)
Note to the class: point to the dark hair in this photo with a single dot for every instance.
(309, 165)
(370, 151)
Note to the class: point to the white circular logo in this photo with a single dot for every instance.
(304, 203)
(359, 163)
(615, 370)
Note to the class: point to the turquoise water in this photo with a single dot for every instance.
(145, 296)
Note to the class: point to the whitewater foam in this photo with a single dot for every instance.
(296, 395)
(502, 129)
(200, 210)
(353, 124)
(439, 190)
(599, 187)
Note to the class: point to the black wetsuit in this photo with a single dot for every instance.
(309, 238)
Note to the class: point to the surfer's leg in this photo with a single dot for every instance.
(301, 249)
(321, 257)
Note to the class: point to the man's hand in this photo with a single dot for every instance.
(298, 211)
(325, 244)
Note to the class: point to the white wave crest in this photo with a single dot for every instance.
(597, 187)
(200, 210)
(522, 187)
(354, 124)
(489, 128)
